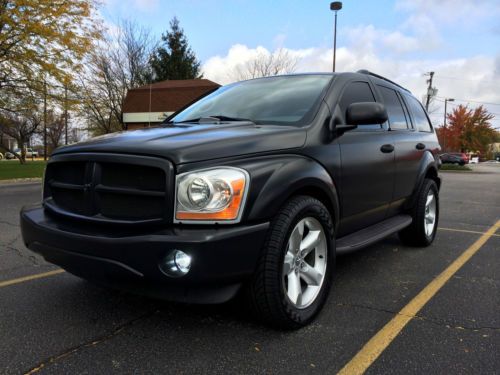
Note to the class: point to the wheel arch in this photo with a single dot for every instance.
(428, 169)
(275, 181)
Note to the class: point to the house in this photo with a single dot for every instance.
(149, 105)
(7, 142)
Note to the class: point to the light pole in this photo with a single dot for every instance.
(446, 100)
(44, 120)
(335, 6)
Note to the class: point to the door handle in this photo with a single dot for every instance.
(387, 148)
(420, 146)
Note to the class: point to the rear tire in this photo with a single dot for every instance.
(425, 215)
(294, 273)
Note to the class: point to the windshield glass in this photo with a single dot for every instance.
(285, 100)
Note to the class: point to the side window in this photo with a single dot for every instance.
(354, 93)
(422, 123)
(397, 118)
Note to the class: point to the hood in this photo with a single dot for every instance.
(185, 143)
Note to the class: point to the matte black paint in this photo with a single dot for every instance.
(348, 170)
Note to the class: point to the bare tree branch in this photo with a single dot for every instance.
(266, 64)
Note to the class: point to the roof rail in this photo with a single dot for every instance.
(364, 71)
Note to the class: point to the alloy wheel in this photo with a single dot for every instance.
(430, 213)
(305, 262)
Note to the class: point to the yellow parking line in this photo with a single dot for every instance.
(28, 278)
(378, 343)
(466, 231)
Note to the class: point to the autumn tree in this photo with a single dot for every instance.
(266, 64)
(467, 130)
(43, 36)
(173, 58)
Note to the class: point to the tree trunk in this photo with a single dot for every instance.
(22, 154)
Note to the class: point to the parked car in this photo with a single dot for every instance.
(255, 187)
(9, 156)
(452, 159)
(30, 153)
(461, 155)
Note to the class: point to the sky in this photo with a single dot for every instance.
(401, 39)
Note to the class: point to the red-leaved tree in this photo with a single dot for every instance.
(467, 130)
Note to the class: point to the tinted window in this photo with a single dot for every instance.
(357, 92)
(397, 119)
(421, 121)
(283, 100)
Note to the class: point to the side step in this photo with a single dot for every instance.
(374, 233)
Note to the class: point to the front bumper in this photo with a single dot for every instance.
(223, 257)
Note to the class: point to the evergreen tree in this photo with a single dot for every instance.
(174, 59)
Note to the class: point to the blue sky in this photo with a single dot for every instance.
(403, 39)
(213, 26)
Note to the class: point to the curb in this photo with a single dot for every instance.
(20, 181)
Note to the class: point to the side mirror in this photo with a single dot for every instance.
(366, 113)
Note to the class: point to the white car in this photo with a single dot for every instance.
(30, 153)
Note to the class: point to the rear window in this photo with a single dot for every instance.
(422, 123)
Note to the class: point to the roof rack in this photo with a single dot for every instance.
(364, 71)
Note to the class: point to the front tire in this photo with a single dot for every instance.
(425, 215)
(294, 274)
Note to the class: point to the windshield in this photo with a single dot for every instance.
(285, 100)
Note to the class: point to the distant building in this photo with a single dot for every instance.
(150, 104)
(7, 142)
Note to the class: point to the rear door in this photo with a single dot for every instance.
(367, 172)
(408, 152)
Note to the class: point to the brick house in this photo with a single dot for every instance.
(150, 104)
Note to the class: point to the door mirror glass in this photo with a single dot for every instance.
(366, 113)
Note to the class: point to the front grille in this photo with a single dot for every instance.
(110, 188)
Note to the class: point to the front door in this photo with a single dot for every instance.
(367, 166)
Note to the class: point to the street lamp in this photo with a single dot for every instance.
(335, 6)
(446, 100)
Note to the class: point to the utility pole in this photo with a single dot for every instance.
(44, 120)
(66, 114)
(429, 91)
(444, 122)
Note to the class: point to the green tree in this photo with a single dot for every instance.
(173, 58)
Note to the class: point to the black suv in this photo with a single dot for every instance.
(255, 187)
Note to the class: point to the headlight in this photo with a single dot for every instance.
(211, 195)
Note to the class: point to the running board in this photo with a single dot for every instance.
(372, 234)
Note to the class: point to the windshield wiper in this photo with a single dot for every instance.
(217, 118)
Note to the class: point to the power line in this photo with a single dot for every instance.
(468, 100)
(456, 105)
(479, 81)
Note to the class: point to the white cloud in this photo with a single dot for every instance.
(146, 5)
(451, 11)
(476, 78)
(391, 53)
(143, 6)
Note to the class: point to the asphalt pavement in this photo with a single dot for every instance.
(62, 324)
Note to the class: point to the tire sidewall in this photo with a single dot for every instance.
(431, 185)
(318, 211)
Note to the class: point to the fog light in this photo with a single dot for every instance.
(177, 263)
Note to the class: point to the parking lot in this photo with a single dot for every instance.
(53, 322)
